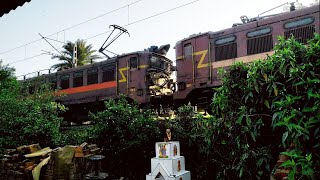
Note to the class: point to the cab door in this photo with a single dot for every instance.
(201, 61)
(187, 66)
(133, 78)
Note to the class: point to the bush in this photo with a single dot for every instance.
(263, 108)
(26, 119)
(127, 136)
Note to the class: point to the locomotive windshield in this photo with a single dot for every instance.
(158, 62)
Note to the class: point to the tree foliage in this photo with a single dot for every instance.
(26, 119)
(85, 55)
(264, 108)
(127, 135)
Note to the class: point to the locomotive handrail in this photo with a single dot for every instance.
(37, 72)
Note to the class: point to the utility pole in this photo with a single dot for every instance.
(75, 56)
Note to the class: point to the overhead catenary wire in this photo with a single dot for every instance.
(73, 26)
(135, 22)
(146, 18)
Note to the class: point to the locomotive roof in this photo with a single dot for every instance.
(97, 64)
(257, 23)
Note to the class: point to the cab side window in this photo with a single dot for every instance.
(92, 76)
(78, 79)
(64, 81)
(108, 73)
(188, 50)
(133, 62)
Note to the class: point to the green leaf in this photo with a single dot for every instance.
(313, 80)
(265, 76)
(274, 116)
(299, 83)
(259, 162)
(256, 87)
(251, 94)
(253, 136)
(316, 131)
(287, 163)
(309, 157)
(284, 138)
(241, 172)
(275, 90)
(267, 104)
(314, 95)
(248, 121)
(239, 119)
(291, 174)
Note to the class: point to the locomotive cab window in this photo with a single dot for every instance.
(225, 48)
(259, 41)
(158, 62)
(78, 79)
(301, 29)
(64, 81)
(188, 50)
(92, 76)
(133, 62)
(108, 74)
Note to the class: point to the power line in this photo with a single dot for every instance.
(112, 11)
(135, 22)
(146, 18)
(25, 59)
(164, 12)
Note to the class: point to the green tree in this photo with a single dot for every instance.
(85, 55)
(26, 119)
(263, 109)
(266, 107)
(127, 136)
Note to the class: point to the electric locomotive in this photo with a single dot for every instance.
(142, 76)
(199, 56)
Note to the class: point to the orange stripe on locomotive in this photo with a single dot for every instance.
(88, 88)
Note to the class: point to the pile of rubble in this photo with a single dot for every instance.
(32, 162)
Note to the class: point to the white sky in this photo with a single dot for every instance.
(22, 25)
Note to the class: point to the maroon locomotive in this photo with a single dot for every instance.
(199, 56)
(142, 76)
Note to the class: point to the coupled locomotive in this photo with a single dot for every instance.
(146, 76)
(199, 56)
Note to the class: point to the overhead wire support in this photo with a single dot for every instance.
(52, 45)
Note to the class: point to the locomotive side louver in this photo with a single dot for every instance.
(259, 44)
(302, 34)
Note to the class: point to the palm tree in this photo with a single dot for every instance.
(85, 55)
